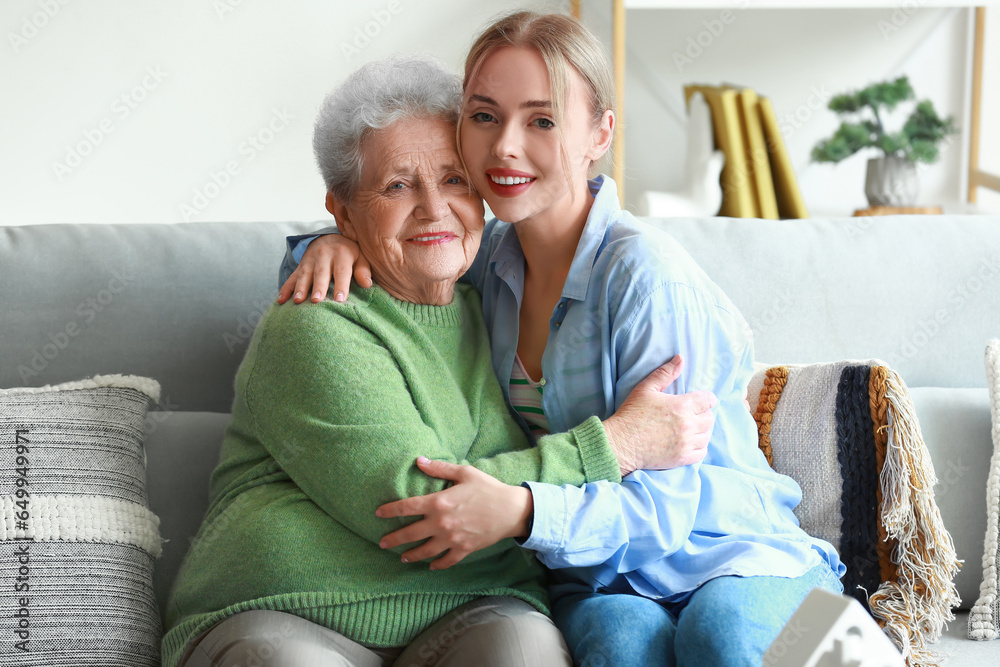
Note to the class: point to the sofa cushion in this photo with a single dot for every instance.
(183, 449)
(848, 433)
(77, 538)
(984, 620)
(955, 424)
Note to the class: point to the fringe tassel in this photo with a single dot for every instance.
(914, 608)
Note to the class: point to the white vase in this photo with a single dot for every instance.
(891, 181)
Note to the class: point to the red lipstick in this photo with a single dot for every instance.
(512, 190)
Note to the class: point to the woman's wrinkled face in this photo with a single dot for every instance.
(416, 218)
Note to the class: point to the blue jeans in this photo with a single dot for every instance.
(727, 621)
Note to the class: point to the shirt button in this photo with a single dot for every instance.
(541, 382)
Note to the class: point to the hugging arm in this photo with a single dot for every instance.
(651, 513)
(336, 414)
(477, 511)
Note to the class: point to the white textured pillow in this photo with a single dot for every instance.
(984, 620)
(77, 538)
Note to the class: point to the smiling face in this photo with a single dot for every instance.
(510, 143)
(413, 213)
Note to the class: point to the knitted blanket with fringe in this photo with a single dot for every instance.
(847, 432)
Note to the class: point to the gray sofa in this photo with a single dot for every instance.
(178, 303)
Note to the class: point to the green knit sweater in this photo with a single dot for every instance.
(334, 402)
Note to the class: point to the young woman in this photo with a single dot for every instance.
(702, 564)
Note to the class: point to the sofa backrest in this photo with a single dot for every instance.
(920, 292)
(173, 302)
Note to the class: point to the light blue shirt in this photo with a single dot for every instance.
(632, 300)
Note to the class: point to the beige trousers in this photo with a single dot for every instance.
(487, 632)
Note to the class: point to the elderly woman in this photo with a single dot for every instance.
(336, 401)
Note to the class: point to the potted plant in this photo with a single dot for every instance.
(892, 177)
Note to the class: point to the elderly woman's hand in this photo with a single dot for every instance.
(330, 254)
(653, 430)
(476, 512)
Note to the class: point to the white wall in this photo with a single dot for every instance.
(117, 111)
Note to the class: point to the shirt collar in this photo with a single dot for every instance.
(606, 208)
(507, 255)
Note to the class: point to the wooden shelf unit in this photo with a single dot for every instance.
(976, 176)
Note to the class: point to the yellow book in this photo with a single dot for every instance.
(757, 159)
(737, 186)
(786, 188)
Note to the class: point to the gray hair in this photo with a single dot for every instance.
(372, 98)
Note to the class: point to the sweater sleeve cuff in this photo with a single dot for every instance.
(599, 460)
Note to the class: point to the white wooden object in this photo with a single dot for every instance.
(829, 630)
(702, 194)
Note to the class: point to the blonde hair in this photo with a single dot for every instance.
(563, 42)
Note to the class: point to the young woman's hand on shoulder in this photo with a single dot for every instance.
(329, 255)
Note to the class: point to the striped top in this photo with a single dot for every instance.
(526, 397)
